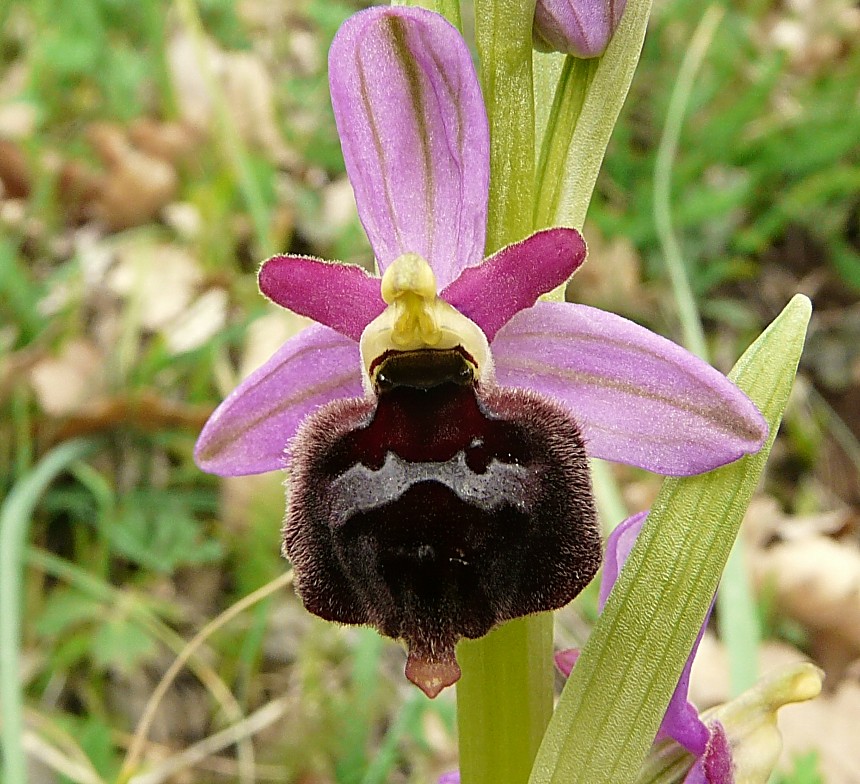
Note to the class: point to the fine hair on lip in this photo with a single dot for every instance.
(435, 513)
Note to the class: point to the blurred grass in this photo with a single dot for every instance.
(133, 551)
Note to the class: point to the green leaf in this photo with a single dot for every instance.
(65, 609)
(18, 294)
(121, 643)
(68, 652)
(614, 702)
(96, 738)
(156, 531)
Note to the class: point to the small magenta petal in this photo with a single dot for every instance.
(565, 660)
(716, 766)
(250, 430)
(512, 279)
(619, 544)
(682, 722)
(341, 296)
(639, 398)
(719, 765)
(414, 133)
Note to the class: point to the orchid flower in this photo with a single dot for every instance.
(436, 421)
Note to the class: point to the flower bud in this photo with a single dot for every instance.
(579, 27)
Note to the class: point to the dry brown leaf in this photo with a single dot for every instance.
(827, 725)
(185, 219)
(136, 185)
(17, 119)
(816, 581)
(145, 411)
(198, 323)
(78, 186)
(14, 175)
(813, 33)
(305, 52)
(160, 279)
(169, 141)
(138, 179)
(611, 278)
(766, 523)
(266, 335)
(15, 78)
(247, 93)
(338, 210)
(709, 679)
(810, 565)
(68, 383)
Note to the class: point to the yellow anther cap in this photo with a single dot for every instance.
(416, 318)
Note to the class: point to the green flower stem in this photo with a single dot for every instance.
(15, 517)
(504, 700)
(615, 699)
(450, 9)
(503, 35)
(570, 92)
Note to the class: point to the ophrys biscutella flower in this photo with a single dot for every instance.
(436, 420)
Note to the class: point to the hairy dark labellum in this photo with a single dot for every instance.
(440, 509)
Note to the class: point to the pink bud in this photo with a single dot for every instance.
(579, 27)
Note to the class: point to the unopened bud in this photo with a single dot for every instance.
(579, 27)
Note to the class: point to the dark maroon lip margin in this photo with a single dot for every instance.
(387, 354)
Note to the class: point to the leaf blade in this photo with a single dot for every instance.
(684, 545)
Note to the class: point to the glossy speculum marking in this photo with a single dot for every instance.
(423, 369)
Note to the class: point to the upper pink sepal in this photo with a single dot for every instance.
(414, 134)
